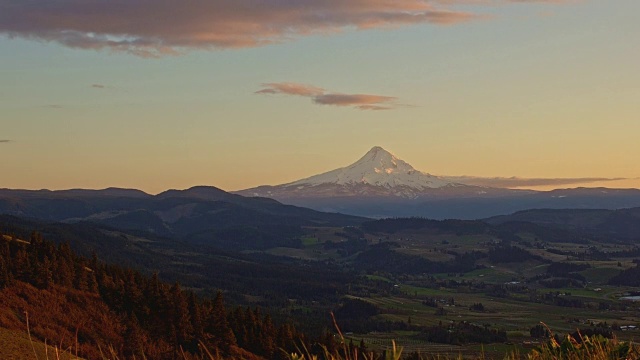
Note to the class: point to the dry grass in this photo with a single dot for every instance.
(17, 346)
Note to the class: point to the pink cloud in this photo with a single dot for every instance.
(290, 89)
(515, 182)
(151, 28)
(320, 97)
(362, 101)
(373, 107)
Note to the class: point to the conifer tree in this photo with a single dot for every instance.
(181, 317)
(218, 325)
(44, 275)
(196, 316)
(5, 275)
(134, 339)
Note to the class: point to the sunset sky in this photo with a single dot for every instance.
(157, 95)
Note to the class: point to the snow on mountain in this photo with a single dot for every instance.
(378, 167)
(378, 174)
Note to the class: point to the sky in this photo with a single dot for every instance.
(158, 95)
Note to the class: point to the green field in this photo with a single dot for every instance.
(517, 311)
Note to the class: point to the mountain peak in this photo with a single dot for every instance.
(376, 149)
(377, 174)
(382, 161)
(379, 168)
(211, 193)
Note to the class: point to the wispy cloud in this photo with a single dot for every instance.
(98, 86)
(517, 182)
(321, 97)
(5, 141)
(291, 89)
(361, 101)
(150, 28)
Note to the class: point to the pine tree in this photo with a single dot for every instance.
(218, 325)
(181, 318)
(21, 264)
(5, 275)
(195, 313)
(134, 339)
(80, 277)
(267, 335)
(44, 276)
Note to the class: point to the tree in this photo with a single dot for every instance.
(539, 331)
(196, 316)
(218, 325)
(181, 316)
(5, 275)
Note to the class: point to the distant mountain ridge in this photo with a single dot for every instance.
(378, 173)
(378, 185)
(202, 214)
(381, 185)
(108, 192)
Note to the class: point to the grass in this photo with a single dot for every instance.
(582, 348)
(594, 348)
(15, 345)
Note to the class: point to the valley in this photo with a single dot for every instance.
(436, 286)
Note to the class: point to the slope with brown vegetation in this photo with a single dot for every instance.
(87, 306)
(16, 345)
(61, 316)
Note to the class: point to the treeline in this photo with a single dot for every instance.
(629, 277)
(504, 253)
(132, 313)
(270, 281)
(382, 258)
(551, 234)
(393, 225)
(462, 333)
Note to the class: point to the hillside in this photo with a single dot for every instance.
(16, 345)
(89, 306)
(619, 224)
(204, 215)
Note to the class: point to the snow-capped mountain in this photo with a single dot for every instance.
(377, 174)
(377, 167)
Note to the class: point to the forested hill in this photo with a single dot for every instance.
(111, 306)
(169, 207)
(199, 215)
(620, 223)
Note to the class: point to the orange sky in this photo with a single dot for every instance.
(512, 88)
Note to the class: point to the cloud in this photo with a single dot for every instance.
(4, 141)
(98, 86)
(321, 97)
(516, 182)
(361, 101)
(53, 106)
(151, 28)
(291, 89)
